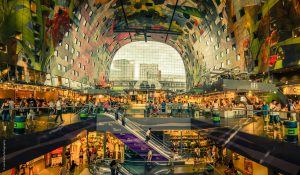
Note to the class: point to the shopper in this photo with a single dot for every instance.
(59, 110)
(73, 167)
(11, 108)
(81, 156)
(105, 106)
(22, 107)
(30, 167)
(149, 158)
(51, 107)
(68, 158)
(5, 111)
(22, 169)
(171, 163)
(117, 113)
(169, 108)
(276, 114)
(272, 107)
(90, 106)
(113, 167)
(266, 117)
(163, 107)
(148, 135)
(63, 170)
(123, 119)
(290, 107)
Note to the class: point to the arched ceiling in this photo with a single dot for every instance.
(192, 27)
(209, 34)
(77, 39)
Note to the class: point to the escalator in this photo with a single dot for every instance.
(283, 98)
(139, 146)
(136, 138)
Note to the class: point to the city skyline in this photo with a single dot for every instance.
(169, 62)
(118, 73)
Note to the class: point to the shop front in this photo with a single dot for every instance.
(247, 166)
(106, 144)
(186, 141)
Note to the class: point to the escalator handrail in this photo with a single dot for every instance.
(156, 145)
(136, 132)
(153, 137)
(143, 132)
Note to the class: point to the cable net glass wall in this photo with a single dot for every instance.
(148, 62)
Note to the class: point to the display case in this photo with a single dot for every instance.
(187, 138)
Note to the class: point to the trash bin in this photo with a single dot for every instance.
(291, 131)
(83, 115)
(197, 114)
(216, 119)
(19, 124)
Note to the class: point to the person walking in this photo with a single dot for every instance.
(149, 158)
(171, 163)
(113, 167)
(11, 108)
(291, 108)
(272, 107)
(81, 156)
(68, 158)
(196, 159)
(169, 108)
(123, 119)
(148, 135)
(52, 107)
(5, 111)
(106, 106)
(73, 167)
(266, 117)
(58, 111)
(63, 170)
(163, 107)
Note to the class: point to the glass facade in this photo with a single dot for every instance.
(151, 62)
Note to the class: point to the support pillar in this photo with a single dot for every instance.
(104, 145)
(181, 142)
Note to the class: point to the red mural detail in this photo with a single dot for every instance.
(157, 27)
(59, 25)
(246, 43)
(201, 31)
(102, 81)
(122, 36)
(196, 23)
(111, 30)
(273, 60)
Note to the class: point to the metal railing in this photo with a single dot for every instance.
(25, 120)
(165, 167)
(267, 123)
(102, 166)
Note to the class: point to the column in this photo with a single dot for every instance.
(104, 145)
(181, 142)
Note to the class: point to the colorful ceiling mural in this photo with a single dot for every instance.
(78, 39)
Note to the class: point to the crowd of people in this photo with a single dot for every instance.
(33, 107)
